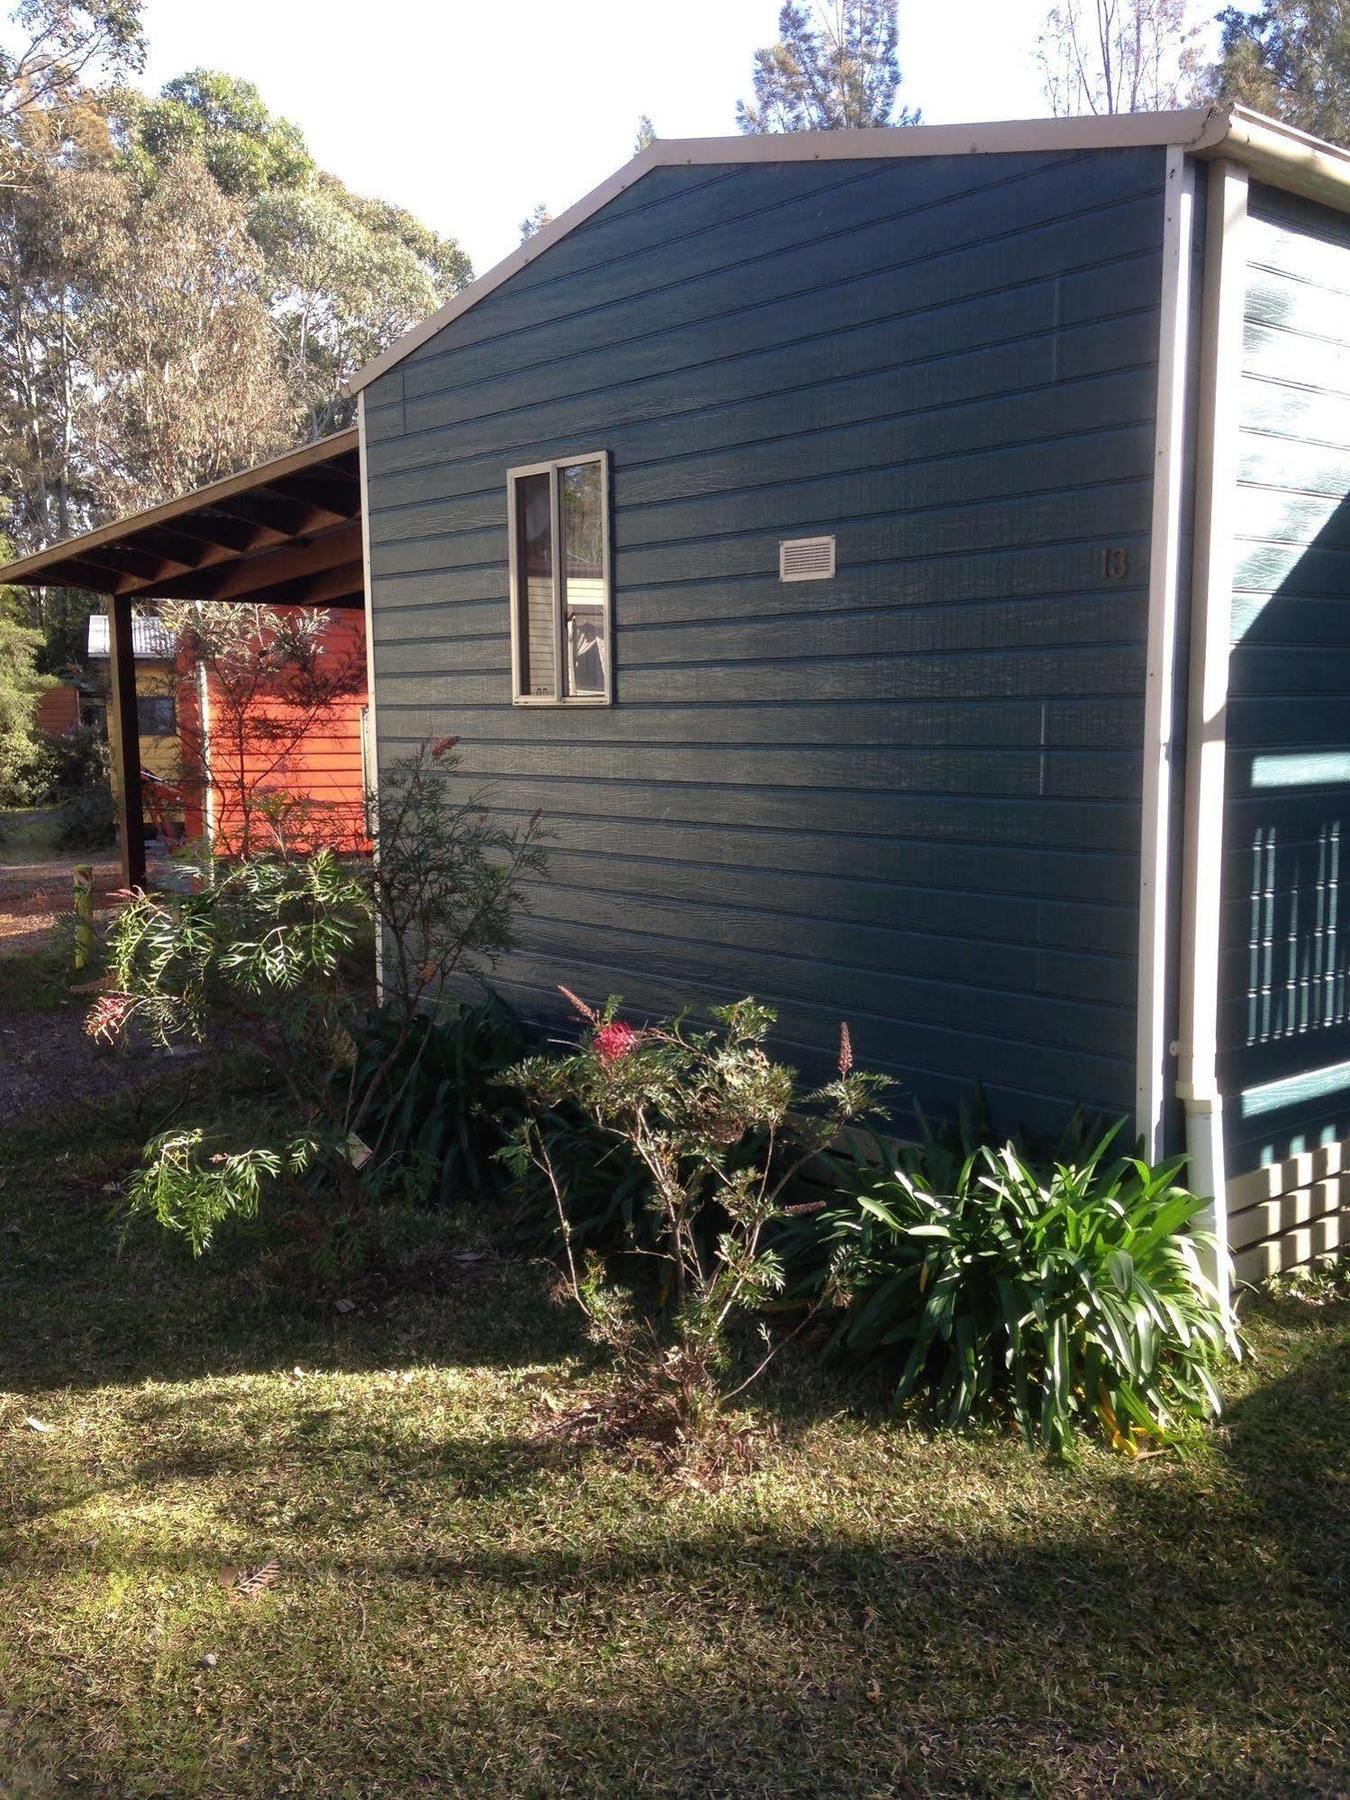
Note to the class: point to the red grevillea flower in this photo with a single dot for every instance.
(441, 747)
(107, 1016)
(614, 1041)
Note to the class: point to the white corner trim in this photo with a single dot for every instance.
(1216, 502)
(1156, 881)
(1196, 129)
(372, 727)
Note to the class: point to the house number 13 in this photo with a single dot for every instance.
(1115, 564)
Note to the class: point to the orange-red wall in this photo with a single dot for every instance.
(324, 769)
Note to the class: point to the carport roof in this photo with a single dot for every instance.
(287, 533)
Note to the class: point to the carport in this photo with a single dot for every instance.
(285, 533)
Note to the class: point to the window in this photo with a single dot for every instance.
(560, 584)
(155, 715)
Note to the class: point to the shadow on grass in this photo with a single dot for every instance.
(1169, 1627)
(1175, 1639)
(88, 1302)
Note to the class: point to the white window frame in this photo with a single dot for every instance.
(551, 468)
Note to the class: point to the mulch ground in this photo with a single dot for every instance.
(47, 1058)
(33, 895)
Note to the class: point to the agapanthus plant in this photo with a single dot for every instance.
(721, 1130)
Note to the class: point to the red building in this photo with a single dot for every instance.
(282, 763)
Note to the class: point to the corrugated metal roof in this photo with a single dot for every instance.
(149, 639)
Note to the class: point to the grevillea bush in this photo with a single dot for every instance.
(273, 955)
(720, 1130)
(1066, 1297)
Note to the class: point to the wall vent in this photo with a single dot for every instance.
(806, 559)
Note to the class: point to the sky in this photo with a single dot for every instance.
(469, 113)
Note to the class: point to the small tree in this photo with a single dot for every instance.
(534, 221)
(721, 1131)
(272, 957)
(273, 682)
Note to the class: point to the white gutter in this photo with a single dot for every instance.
(1287, 158)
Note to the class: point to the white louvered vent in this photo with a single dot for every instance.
(806, 559)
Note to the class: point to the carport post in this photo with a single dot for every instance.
(124, 742)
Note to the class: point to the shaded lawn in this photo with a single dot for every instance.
(468, 1608)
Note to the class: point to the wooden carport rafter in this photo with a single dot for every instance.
(286, 533)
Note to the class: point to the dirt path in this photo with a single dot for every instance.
(47, 1058)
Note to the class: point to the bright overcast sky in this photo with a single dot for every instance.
(469, 113)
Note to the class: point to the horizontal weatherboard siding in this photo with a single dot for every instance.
(1284, 1021)
(908, 795)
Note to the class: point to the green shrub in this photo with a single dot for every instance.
(434, 1124)
(86, 820)
(79, 760)
(607, 1191)
(26, 757)
(272, 954)
(1069, 1298)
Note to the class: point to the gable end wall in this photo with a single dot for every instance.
(908, 796)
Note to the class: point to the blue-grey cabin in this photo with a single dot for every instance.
(910, 570)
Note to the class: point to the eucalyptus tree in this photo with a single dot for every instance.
(834, 67)
(1117, 56)
(1291, 59)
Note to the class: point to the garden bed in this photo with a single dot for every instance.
(467, 1602)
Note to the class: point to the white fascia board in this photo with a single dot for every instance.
(1275, 153)
(1196, 129)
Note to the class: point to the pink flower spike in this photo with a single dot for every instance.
(440, 747)
(614, 1041)
(845, 1048)
(107, 1016)
(587, 1012)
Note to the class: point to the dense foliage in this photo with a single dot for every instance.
(1291, 59)
(82, 789)
(26, 766)
(436, 1121)
(182, 289)
(686, 1103)
(271, 954)
(1068, 1297)
(833, 68)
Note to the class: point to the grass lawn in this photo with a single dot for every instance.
(467, 1606)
